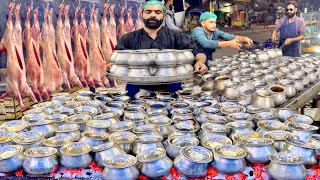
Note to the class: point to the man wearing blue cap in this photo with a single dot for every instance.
(208, 36)
(155, 36)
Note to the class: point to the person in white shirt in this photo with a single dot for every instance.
(170, 21)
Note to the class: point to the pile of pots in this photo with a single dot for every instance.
(144, 63)
(154, 133)
(263, 78)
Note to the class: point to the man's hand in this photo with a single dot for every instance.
(234, 44)
(200, 67)
(273, 37)
(288, 41)
(248, 41)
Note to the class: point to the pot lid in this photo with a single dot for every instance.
(214, 141)
(9, 151)
(230, 152)
(122, 126)
(28, 137)
(151, 155)
(160, 120)
(57, 117)
(75, 149)
(212, 118)
(286, 158)
(57, 141)
(197, 154)
(120, 161)
(86, 110)
(183, 141)
(257, 141)
(95, 135)
(213, 127)
(99, 124)
(240, 116)
(299, 118)
(68, 128)
(145, 128)
(146, 139)
(104, 146)
(232, 109)
(79, 118)
(122, 137)
(271, 125)
(13, 126)
(40, 152)
(278, 135)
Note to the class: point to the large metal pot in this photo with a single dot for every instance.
(209, 129)
(119, 70)
(291, 166)
(246, 93)
(153, 163)
(146, 142)
(258, 149)
(11, 158)
(264, 99)
(139, 58)
(165, 58)
(69, 130)
(213, 118)
(210, 142)
(93, 138)
(265, 126)
(122, 165)
(125, 140)
(57, 142)
(147, 129)
(229, 159)
(106, 150)
(139, 72)
(232, 90)
(193, 161)
(290, 89)
(28, 139)
(165, 71)
(208, 81)
(121, 57)
(175, 143)
(45, 126)
(75, 155)
(279, 95)
(163, 123)
(239, 127)
(40, 160)
(301, 131)
(262, 56)
(79, 119)
(279, 138)
(220, 83)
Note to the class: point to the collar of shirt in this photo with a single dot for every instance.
(211, 35)
(147, 34)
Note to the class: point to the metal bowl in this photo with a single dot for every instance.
(11, 158)
(125, 140)
(13, 126)
(175, 143)
(106, 150)
(258, 149)
(93, 138)
(75, 155)
(29, 139)
(72, 130)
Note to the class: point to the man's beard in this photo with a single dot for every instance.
(290, 15)
(152, 25)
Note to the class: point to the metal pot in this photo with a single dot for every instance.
(106, 150)
(220, 83)
(209, 129)
(265, 126)
(175, 143)
(122, 165)
(193, 161)
(139, 72)
(122, 126)
(146, 142)
(298, 82)
(93, 138)
(301, 131)
(197, 106)
(79, 119)
(153, 163)
(121, 57)
(283, 113)
(290, 89)
(40, 160)
(11, 158)
(45, 126)
(139, 58)
(5, 138)
(29, 139)
(246, 93)
(166, 57)
(58, 119)
(97, 126)
(262, 56)
(232, 90)
(75, 155)
(239, 127)
(181, 70)
(208, 81)
(263, 99)
(57, 142)
(229, 159)
(291, 166)
(210, 142)
(258, 149)
(279, 95)
(272, 53)
(312, 74)
(298, 118)
(164, 124)
(125, 140)
(147, 129)
(189, 55)
(213, 118)
(137, 118)
(314, 139)
(166, 71)
(14, 126)
(69, 130)
(181, 57)
(119, 70)
(279, 138)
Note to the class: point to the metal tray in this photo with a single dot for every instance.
(152, 79)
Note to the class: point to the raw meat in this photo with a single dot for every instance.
(81, 60)
(112, 27)
(120, 28)
(51, 66)
(34, 67)
(97, 27)
(97, 62)
(105, 35)
(139, 22)
(16, 78)
(65, 56)
(129, 26)
(52, 36)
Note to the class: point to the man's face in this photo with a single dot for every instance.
(153, 16)
(209, 24)
(291, 11)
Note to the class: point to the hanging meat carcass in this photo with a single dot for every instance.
(129, 26)
(16, 78)
(65, 55)
(97, 27)
(112, 26)
(51, 66)
(52, 32)
(81, 59)
(105, 36)
(97, 62)
(139, 23)
(120, 28)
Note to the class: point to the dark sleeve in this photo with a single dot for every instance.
(185, 42)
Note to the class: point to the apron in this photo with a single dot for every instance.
(289, 30)
(208, 51)
(134, 89)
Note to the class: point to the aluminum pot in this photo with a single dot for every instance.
(239, 127)
(283, 113)
(208, 81)
(197, 106)
(97, 126)
(246, 93)
(279, 95)
(58, 119)
(262, 56)
(312, 74)
(120, 70)
(147, 129)
(301, 131)
(69, 130)
(210, 142)
(314, 139)
(220, 83)
(188, 53)
(121, 57)
(122, 165)
(93, 138)
(106, 150)
(5, 138)
(265, 126)
(193, 161)
(263, 99)
(14, 126)
(139, 72)
(139, 58)
(79, 119)
(208, 129)
(306, 151)
(154, 163)
(229, 159)
(298, 118)
(213, 118)
(125, 140)
(163, 123)
(28, 139)
(57, 142)
(232, 90)
(175, 143)
(122, 126)
(166, 57)
(291, 166)
(11, 158)
(258, 149)
(45, 126)
(181, 57)
(279, 138)
(290, 89)
(146, 142)
(75, 155)
(166, 71)
(40, 160)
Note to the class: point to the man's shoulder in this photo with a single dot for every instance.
(131, 35)
(299, 19)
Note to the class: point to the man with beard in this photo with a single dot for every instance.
(155, 36)
(291, 30)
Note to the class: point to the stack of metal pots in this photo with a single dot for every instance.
(154, 133)
(151, 62)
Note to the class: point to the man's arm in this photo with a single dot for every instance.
(170, 23)
(277, 28)
(301, 35)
